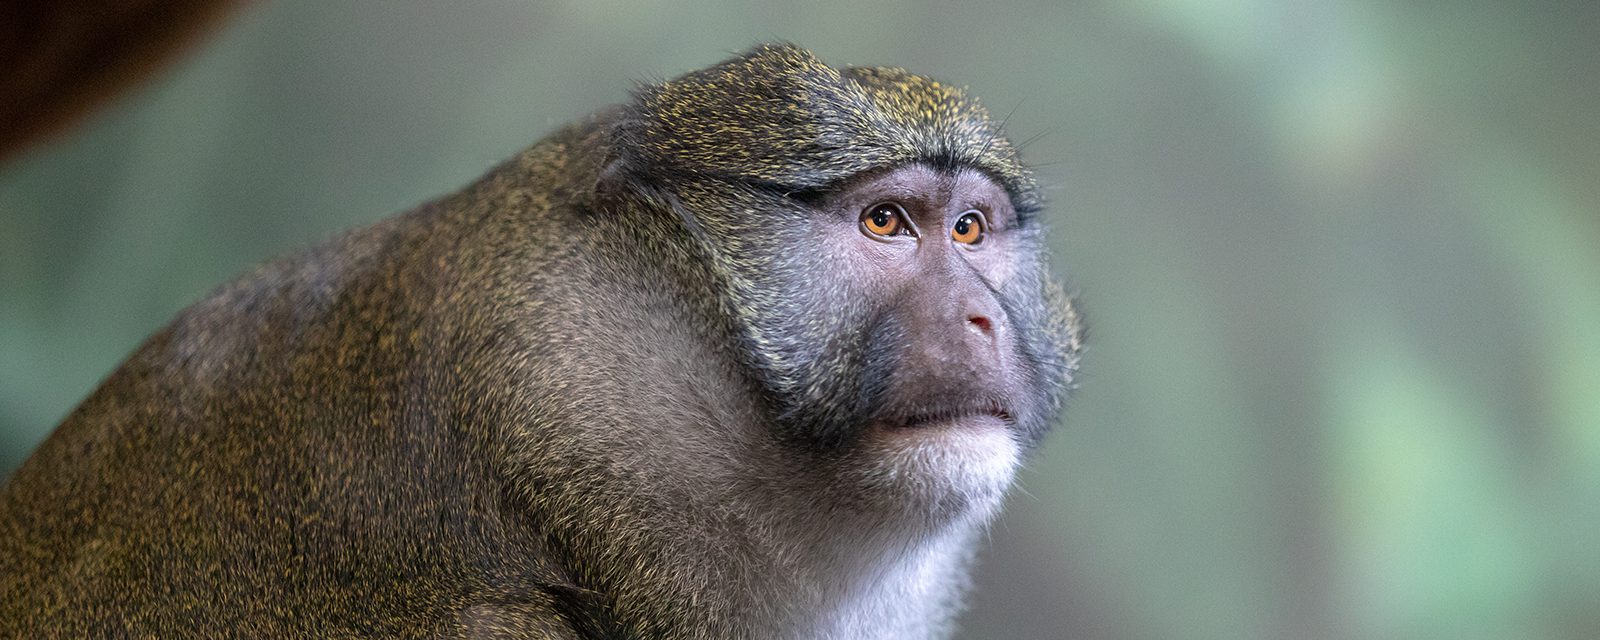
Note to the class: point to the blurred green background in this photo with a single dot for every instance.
(1341, 261)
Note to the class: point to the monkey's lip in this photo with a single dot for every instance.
(989, 416)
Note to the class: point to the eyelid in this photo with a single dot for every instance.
(991, 222)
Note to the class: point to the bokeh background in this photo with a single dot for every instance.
(1341, 260)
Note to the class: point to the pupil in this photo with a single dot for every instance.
(961, 226)
(880, 218)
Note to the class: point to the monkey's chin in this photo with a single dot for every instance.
(954, 468)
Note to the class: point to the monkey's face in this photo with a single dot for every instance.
(877, 246)
(906, 326)
(945, 272)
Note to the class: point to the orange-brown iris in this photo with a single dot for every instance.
(882, 219)
(968, 229)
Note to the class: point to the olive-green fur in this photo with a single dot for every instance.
(526, 409)
(780, 116)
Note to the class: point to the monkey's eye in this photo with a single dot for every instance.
(884, 219)
(968, 229)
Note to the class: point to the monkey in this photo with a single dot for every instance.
(755, 354)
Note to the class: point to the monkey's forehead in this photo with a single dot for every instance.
(779, 115)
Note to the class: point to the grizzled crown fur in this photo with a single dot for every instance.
(779, 116)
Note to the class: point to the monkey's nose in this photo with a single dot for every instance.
(982, 313)
(983, 324)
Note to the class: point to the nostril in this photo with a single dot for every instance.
(981, 323)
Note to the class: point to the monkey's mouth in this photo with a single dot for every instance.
(986, 412)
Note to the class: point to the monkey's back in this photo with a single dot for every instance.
(295, 452)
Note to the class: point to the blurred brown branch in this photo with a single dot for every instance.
(62, 59)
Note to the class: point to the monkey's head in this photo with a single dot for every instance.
(879, 249)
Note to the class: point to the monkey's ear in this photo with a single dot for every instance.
(615, 176)
(619, 168)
